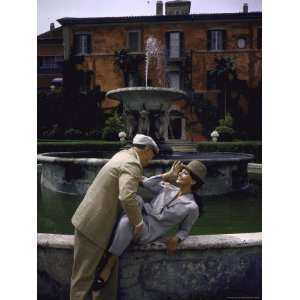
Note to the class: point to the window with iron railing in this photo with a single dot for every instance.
(134, 41)
(50, 63)
(174, 43)
(216, 39)
(82, 43)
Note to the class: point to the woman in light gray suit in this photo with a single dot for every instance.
(172, 205)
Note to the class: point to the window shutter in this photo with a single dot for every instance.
(208, 39)
(89, 46)
(181, 44)
(259, 38)
(39, 61)
(224, 39)
(168, 43)
(76, 43)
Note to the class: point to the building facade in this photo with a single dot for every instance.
(50, 58)
(189, 45)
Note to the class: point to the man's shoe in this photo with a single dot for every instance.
(98, 284)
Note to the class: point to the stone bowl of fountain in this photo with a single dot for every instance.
(154, 98)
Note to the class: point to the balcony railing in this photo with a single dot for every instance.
(174, 58)
(49, 70)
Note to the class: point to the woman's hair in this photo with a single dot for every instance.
(198, 199)
(199, 202)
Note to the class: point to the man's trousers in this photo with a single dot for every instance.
(86, 258)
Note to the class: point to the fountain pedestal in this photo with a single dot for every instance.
(146, 109)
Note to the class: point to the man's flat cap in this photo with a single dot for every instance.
(141, 139)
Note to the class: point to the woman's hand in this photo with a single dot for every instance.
(171, 244)
(138, 231)
(173, 172)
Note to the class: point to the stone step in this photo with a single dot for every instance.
(182, 146)
(179, 149)
(180, 141)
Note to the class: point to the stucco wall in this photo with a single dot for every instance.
(204, 267)
(106, 39)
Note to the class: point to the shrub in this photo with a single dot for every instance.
(225, 129)
(226, 133)
(73, 133)
(53, 132)
(227, 121)
(113, 125)
(93, 134)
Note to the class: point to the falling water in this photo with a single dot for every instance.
(153, 50)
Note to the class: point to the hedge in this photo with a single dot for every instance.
(76, 145)
(252, 147)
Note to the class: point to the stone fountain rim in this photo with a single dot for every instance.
(46, 158)
(192, 242)
(183, 94)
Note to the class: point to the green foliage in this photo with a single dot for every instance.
(224, 71)
(225, 128)
(94, 134)
(113, 125)
(252, 147)
(128, 64)
(59, 112)
(73, 133)
(52, 132)
(227, 121)
(207, 113)
(75, 106)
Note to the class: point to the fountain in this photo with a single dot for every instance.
(202, 263)
(146, 110)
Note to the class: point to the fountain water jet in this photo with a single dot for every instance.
(153, 50)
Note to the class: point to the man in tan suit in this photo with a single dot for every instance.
(113, 188)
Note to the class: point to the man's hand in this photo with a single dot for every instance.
(138, 230)
(171, 244)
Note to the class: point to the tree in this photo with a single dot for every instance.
(128, 64)
(71, 108)
(205, 111)
(224, 74)
(113, 125)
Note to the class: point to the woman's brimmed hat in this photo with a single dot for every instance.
(198, 170)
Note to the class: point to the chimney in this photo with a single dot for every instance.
(178, 7)
(159, 8)
(245, 8)
(52, 26)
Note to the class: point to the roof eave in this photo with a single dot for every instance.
(164, 18)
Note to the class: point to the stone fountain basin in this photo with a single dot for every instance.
(154, 98)
(73, 172)
(222, 266)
